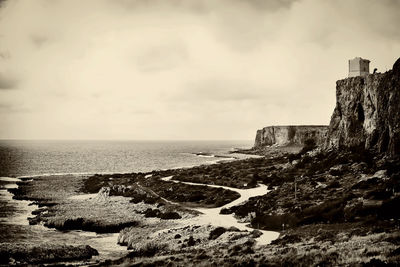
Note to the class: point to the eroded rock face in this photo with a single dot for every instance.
(367, 113)
(283, 135)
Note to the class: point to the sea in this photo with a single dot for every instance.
(27, 159)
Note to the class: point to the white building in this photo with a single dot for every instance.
(358, 67)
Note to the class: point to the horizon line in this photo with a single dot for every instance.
(137, 140)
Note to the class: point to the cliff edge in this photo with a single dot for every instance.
(367, 113)
(293, 135)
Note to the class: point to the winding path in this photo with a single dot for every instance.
(212, 215)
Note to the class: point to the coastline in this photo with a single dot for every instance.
(36, 244)
(40, 206)
(309, 231)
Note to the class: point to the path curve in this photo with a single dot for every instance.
(212, 215)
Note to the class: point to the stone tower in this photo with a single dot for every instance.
(358, 67)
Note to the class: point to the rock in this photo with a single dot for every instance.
(338, 169)
(380, 174)
(367, 113)
(358, 167)
(118, 189)
(214, 234)
(295, 162)
(321, 185)
(233, 229)
(256, 233)
(103, 194)
(226, 211)
(396, 67)
(284, 135)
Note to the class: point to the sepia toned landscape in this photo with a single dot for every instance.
(156, 162)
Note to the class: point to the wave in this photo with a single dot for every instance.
(216, 159)
(68, 173)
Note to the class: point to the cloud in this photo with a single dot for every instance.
(197, 69)
(219, 90)
(7, 82)
(202, 6)
(8, 107)
(39, 40)
(161, 57)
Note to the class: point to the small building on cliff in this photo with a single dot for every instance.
(358, 67)
(367, 113)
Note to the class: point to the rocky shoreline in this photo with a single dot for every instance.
(17, 235)
(66, 202)
(342, 206)
(25, 253)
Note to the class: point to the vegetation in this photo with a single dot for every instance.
(25, 254)
(330, 189)
(148, 250)
(152, 190)
(326, 205)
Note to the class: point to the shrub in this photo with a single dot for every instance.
(149, 213)
(150, 200)
(191, 241)
(287, 239)
(275, 222)
(390, 209)
(196, 196)
(94, 183)
(170, 215)
(379, 193)
(329, 211)
(334, 184)
(292, 157)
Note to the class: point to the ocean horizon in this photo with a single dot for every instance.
(48, 157)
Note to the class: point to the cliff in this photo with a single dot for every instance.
(367, 113)
(284, 135)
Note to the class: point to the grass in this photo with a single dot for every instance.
(148, 250)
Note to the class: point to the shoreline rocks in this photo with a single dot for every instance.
(22, 253)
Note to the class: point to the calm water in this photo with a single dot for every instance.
(21, 158)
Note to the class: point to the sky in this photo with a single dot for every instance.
(181, 69)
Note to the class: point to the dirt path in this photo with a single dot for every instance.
(212, 215)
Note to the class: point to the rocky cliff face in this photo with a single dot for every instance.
(367, 113)
(284, 135)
